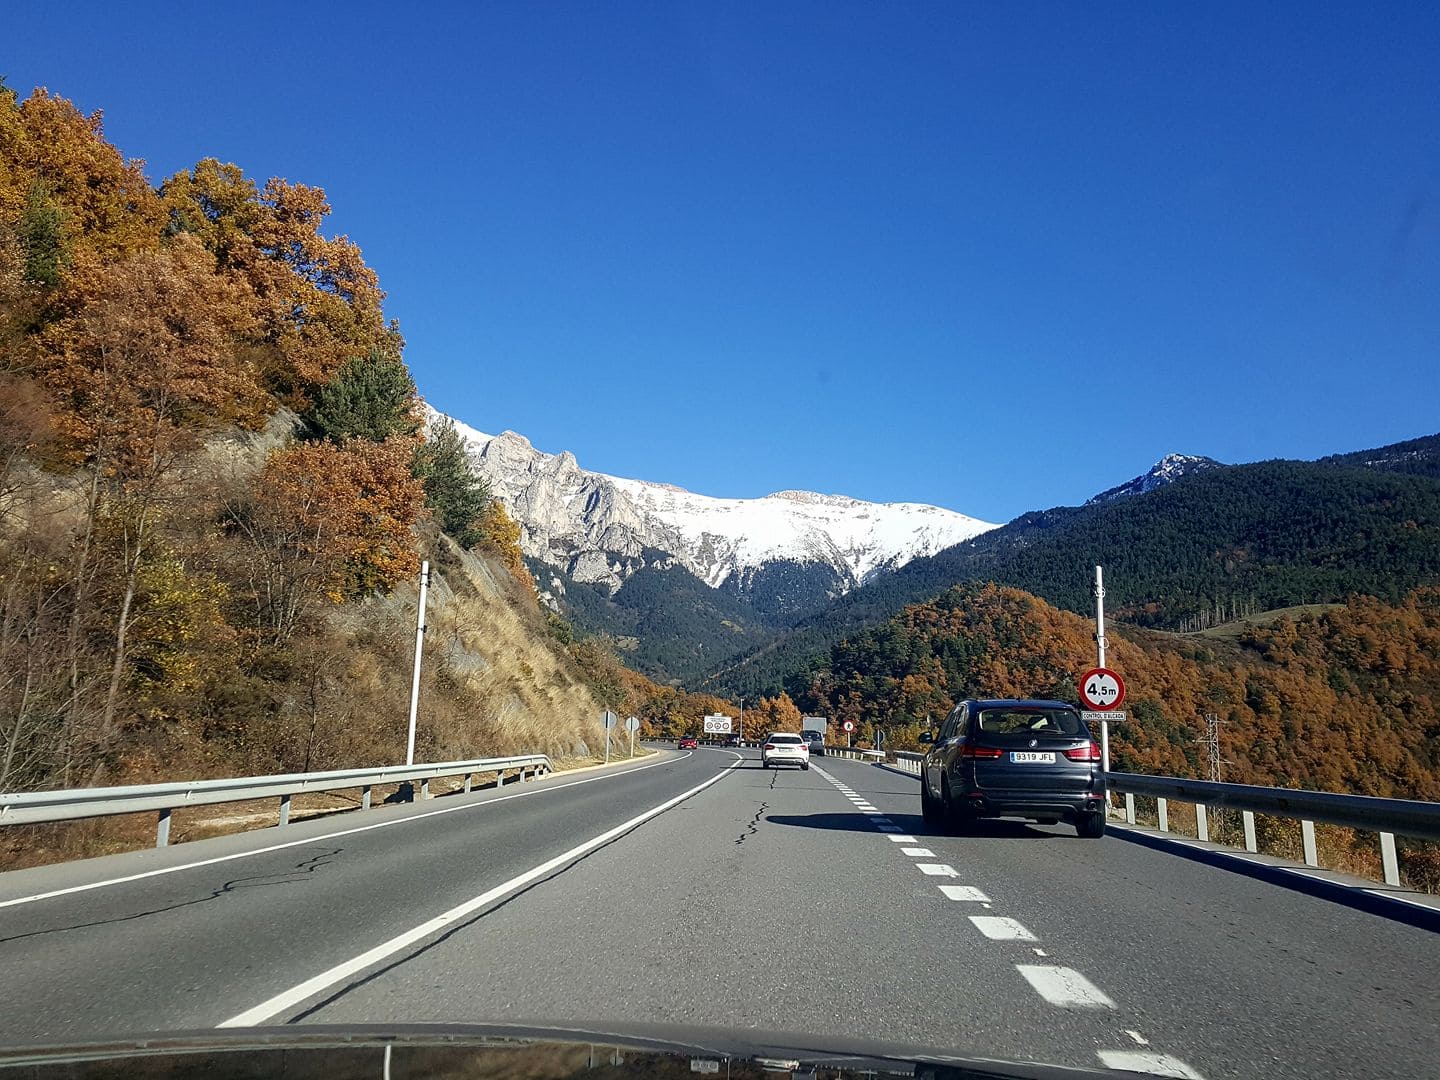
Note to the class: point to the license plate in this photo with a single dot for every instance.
(1031, 757)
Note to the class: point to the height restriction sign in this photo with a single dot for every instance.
(1102, 689)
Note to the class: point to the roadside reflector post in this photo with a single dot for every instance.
(1248, 817)
(365, 797)
(284, 809)
(1307, 840)
(1202, 821)
(1162, 809)
(162, 830)
(1389, 859)
(1129, 808)
(425, 788)
(467, 783)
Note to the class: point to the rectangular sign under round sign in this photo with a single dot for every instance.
(1114, 716)
(717, 725)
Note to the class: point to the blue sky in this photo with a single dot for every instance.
(990, 256)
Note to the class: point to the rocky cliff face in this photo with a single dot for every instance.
(600, 528)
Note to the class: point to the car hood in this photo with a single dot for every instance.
(531, 1051)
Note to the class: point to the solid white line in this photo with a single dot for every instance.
(1064, 986)
(310, 987)
(326, 836)
(902, 838)
(1137, 1037)
(936, 869)
(964, 892)
(999, 928)
(1139, 1061)
(917, 852)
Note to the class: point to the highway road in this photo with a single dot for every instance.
(698, 888)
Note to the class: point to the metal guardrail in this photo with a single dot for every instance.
(1388, 817)
(37, 807)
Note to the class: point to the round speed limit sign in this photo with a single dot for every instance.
(1102, 689)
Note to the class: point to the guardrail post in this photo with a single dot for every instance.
(284, 809)
(1129, 808)
(499, 777)
(1248, 817)
(467, 783)
(162, 830)
(365, 797)
(1202, 821)
(425, 788)
(1164, 812)
(1307, 840)
(1389, 859)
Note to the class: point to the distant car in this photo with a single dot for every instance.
(816, 741)
(1012, 758)
(689, 742)
(785, 748)
(733, 740)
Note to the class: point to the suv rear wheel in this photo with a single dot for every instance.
(1090, 826)
(929, 811)
(959, 819)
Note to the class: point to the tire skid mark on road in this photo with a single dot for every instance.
(1060, 986)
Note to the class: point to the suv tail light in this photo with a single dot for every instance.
(1088, 752)
(967, 750)
(769, 746)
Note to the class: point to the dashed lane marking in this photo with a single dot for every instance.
(999, 928)
(903, 839)
(965, 892)
(892, 829)
(1064, 986)
(936, 869)
(1137, 1037)
(917, 852)
(1141, 1061)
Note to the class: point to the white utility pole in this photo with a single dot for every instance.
(419, 648)
(1100, 653)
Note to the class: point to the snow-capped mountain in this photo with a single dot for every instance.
(1165, 471)
(600, 528)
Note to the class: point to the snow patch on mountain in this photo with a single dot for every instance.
(601, 528)
(1165, 471)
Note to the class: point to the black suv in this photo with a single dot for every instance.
(1011, 758)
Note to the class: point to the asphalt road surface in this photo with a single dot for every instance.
(698, 888)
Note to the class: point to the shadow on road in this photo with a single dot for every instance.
(911, 825)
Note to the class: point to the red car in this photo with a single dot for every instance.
(689, 742)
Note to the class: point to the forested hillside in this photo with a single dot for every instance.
(1194, 552)
(1345, 700)
(215, 493)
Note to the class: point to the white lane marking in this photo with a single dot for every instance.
(1038, 952)
(964, 892)
(999, 928)
(868, 808)
(903, 839)
(936, 869)
(1140, 1061)
(330, 836)
(891, 828)
(310, 987)
(1137, 1037)
(1064, 986)
(918, 852)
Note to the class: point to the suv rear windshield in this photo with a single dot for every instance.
(785, 739)
(1031, 722)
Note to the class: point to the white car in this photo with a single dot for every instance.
(785, 748)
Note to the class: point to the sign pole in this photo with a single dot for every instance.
(1100, 652)
(419, 647)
